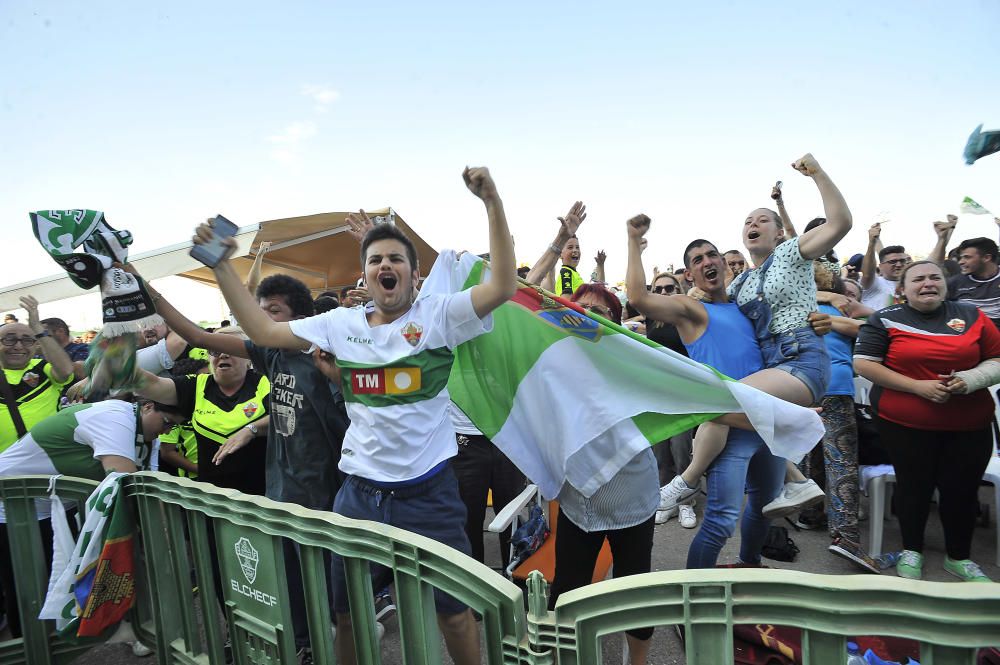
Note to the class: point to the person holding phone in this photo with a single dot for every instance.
(396, 452)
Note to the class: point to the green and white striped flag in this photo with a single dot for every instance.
(568, 396)
(970, 207)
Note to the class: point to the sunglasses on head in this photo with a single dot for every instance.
(664, 288)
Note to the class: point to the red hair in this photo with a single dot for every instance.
(609, 299)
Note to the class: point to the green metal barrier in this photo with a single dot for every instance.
(952, 621)
(28, 556)
(248, 532)
(181, 520)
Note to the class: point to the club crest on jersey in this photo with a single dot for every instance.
(31, 379)
(958, 325)
(249, 409)
(412, 332)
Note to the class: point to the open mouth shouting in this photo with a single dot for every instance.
(753, 235)
(711, 273)
(388, 282)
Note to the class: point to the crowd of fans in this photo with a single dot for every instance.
(292, 403)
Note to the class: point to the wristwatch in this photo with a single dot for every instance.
(253, 429)
(44, 333)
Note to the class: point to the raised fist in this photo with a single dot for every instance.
(807, 165)
(638, 225)
(480, 182)
(600, 258)
(874, 232)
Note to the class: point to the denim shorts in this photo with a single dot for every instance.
(801, 353)
(431, 508)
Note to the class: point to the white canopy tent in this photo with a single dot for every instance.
(313, 248)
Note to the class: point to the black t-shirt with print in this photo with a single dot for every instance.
(308, 422)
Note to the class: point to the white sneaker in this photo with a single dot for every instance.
(793, 498)
(140, 650)
(664, 516)
(687, 517)
(675, 492)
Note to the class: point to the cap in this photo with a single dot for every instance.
(855, 261)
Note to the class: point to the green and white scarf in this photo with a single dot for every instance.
(126, 305)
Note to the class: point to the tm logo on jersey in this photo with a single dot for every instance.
(385, 381)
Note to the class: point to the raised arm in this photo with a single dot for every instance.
(943, 231)
(820, 240)
(869, 262)
(502, 283)
(253, 277)
(255, 323)
(599, 259)
(62, 364)
(191, 332)
(542, 272)
(156, 388)
(683, 312)
(786, 220)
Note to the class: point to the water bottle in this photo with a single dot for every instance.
(854, 655)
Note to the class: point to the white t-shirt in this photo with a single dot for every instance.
(71, 443)
(880, 294)
(789, 287)
(394, 379)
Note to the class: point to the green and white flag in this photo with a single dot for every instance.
(568, 396)
(970, 207)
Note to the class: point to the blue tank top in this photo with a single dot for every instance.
(728, 343)
(841, 352)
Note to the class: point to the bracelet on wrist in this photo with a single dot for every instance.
(44, 333)
(555, 250)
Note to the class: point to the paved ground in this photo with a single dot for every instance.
(669, 552)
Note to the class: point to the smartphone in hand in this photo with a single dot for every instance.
(210, 254)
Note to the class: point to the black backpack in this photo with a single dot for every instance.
(778, 545)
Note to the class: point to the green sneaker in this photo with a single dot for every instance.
(910, 565)
(965, 570)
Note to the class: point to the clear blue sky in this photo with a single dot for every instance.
(162, 114)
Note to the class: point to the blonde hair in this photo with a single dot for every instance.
(232, 330)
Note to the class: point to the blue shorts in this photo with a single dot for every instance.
(801, 353)
(431, 508)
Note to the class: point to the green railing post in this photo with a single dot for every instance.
(314, 566)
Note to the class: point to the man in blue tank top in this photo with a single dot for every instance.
(719, 335)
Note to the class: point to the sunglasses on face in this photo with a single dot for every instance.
(11, 340)
(216, 354)
(664, 288)
(896, 262)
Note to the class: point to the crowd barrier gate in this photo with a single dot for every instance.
(176, 611)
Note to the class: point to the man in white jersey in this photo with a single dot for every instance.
(395, 355)
(85, 441)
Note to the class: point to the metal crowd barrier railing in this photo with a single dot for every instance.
(177, 611)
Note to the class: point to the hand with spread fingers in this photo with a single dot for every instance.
(573, 219)
(360, 224)
(232, 444)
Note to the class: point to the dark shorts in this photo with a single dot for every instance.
(801, 353)
(431, 508)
